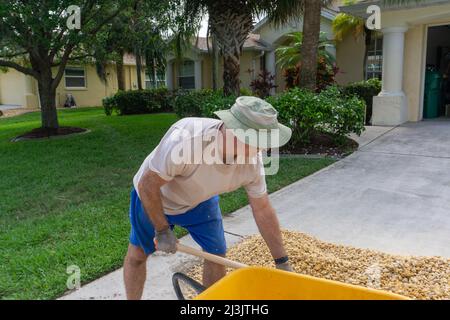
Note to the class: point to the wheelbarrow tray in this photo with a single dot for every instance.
(257, 283)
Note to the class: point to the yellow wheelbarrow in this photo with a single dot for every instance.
(256, 283)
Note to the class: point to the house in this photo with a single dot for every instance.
(414, 47)
(411, 54)
(195, 70)
(81, 81)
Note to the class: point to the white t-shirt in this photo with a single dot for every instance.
(192, 180)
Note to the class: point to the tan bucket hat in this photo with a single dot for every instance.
(255, 122)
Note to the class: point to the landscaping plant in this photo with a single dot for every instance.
(365, 90)
(139, 102)
(328, 112)
(201, 103)
(262, 85)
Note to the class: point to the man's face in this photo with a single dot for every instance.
(238, 149)
(248, 150)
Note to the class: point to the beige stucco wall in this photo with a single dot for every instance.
(416, 16)
(246, 77)
(12, 89)
(350, 59)
(417, 20)
(414, 70)
(96, 89)
(94, 92)
(130, 74)
(21, 90)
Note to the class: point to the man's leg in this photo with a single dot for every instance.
(212, 272)
(134, 272)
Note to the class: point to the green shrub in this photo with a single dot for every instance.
(201, 103)
(342, 114)
(109, 104)
(246, 92)
(308, 113)
(365, 90)
(297, 109)
(139, 102)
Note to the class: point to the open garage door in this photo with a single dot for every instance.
(437, 77)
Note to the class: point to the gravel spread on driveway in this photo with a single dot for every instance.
(414, 277)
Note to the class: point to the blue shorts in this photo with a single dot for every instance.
(204, 223)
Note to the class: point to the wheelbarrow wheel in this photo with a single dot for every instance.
(198, 288)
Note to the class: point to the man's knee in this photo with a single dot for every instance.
(135, 256)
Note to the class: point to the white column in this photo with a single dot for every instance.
(271, 65)
(393, 53)
(390, 106)
(198, 74)
(169, 75)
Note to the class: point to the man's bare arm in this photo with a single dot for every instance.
(150, 196)
(268, 225)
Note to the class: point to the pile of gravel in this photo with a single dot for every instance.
(414, 277)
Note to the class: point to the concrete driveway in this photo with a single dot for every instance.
(392, 195)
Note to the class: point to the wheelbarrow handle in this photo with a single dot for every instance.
(210, 257)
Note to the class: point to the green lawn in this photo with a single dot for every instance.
(65, 201)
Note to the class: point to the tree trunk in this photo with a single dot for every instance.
(155, 74)
(309, 48)
(215, 63)
(139, 70)
(120, 73)
(231, 28)
(47, 97)
(231, 70)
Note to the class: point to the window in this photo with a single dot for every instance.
(160, 81)
(186, 75)
(75, 77)
(374, 63)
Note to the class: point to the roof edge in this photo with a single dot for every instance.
(359, 9)
(327, 13)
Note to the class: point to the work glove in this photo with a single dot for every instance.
(166, 241)
(283, 264)
(285, 267)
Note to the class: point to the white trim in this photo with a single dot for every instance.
(422, 80)
(401, 29)
(359, 9)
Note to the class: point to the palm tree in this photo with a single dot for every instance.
(309, 48)
(232, 21)
(290, 59)
(290, 56)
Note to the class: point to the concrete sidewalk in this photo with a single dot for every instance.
(391, 195)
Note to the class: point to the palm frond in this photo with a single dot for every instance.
(289, 54)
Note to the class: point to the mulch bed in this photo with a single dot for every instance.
(323, 144)
(41, 133)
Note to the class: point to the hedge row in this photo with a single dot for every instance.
(365, 90)
(337, 111)
(139, 102)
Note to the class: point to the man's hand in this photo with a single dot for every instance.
(166, 241)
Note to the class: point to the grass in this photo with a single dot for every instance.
(65, 201)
